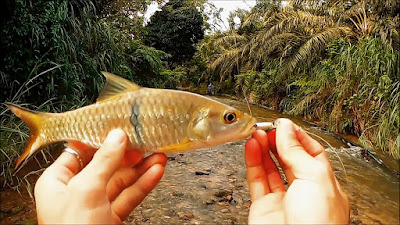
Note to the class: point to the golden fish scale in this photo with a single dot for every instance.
(89, 124)
(152, 118)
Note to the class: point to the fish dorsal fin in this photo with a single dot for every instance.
(115, 85)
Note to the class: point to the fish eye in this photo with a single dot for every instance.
(230, 117)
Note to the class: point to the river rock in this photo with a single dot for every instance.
(204, 172)
(176, 194)
(204, 186)
(185, 215)
(223, 203)
(194, 222)
(130, 218)
(239, 186)
(210, 202)
(233, 202)
(225, 210)
(223, 193)
(247, 204)
(234, 219)
(243, 213)
(171, 158)
(182, 204)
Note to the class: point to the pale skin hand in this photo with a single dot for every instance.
(314, 194)
(104, 191)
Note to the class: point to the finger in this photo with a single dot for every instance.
(275, 182)
(291, 152)
(63, 169)
(313, 147)
(125, 177)
(134, 195)
(53, 181)
(272, 140)
(262, 139)
(107, 159)
(132, 157)
(256, 177)
(85, 152)
(316, 150)
(272, 146)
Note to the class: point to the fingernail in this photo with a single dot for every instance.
(116, 136)
(297, 128)
(282, 122)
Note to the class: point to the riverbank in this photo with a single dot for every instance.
(375, 155)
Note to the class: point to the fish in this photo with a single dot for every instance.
(155, 120)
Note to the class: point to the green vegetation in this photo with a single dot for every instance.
(175, 29)
(336, 61)
(52, 52)
(332, 61)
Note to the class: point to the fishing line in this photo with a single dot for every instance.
(248, 105)
(330, 146)
(268, 126)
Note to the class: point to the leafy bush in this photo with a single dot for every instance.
(354, 90)
(51, 55)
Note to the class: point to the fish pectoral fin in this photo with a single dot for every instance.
(183, 146)
(115, 85)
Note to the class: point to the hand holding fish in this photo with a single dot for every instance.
(102, 192)
(313, 196)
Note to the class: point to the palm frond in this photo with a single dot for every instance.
(313, 47)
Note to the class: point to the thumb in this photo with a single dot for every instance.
(291, 152)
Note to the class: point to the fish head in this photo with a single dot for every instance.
(219, 123)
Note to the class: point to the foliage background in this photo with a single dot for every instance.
(52, 52)
(336, 62)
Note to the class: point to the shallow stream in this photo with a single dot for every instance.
(209, 186)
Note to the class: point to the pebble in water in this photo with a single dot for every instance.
(185, 215)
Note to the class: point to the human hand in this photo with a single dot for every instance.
(104, 191)
(313, 196)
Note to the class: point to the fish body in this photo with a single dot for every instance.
(155, 120)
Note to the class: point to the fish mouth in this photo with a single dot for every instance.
(249, 127)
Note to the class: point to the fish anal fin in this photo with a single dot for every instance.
(184, 145)
(115, 85)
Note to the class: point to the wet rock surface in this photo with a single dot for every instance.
(185, 196)
(222, 196)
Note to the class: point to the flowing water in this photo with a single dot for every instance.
(209, 185)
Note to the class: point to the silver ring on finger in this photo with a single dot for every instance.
(76, 154)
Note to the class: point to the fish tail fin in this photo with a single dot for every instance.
(33, 120)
